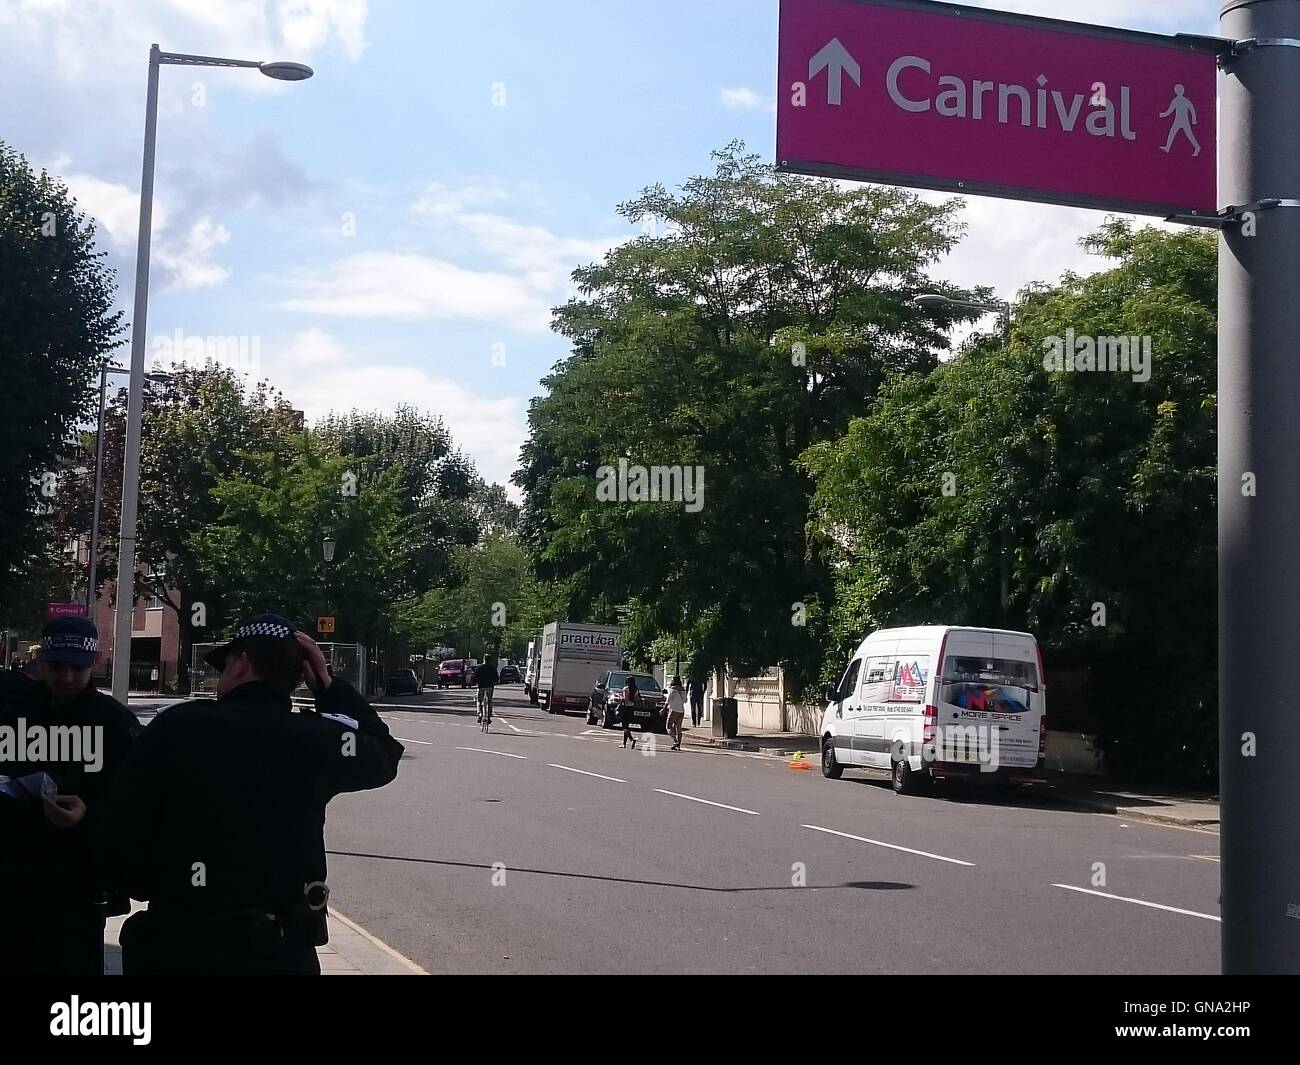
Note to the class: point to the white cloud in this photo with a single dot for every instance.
(1189, 16)
(440, 200)
(527, 274)
(183, 259)
(317, 376)
(93, 41)
(742, 99)
(412, 286)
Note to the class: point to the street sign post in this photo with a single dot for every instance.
(941, 96)
(1259, 487)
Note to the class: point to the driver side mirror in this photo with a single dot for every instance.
(831, 693)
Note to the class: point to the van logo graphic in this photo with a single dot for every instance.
(909, 675)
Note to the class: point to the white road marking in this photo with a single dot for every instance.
(1139, 902)
(891, 846)
(1205, 857)
(484, 750)
(723, 805)
(570, 769)
(403, 739)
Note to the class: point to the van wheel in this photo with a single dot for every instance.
(904, 780)
(830, 767)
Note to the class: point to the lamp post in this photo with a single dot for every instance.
(131, 472)
(104, 371)
(1002, 309)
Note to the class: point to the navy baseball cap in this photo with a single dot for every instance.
(73, 640)
(272, 625)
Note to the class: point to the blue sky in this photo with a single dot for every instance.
(396, 229)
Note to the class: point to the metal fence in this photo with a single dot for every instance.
(346, 660)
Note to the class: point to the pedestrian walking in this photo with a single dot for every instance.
(487, 678)
(627, 709)
(217, 818)
(696, 690)
(74, 740)
(676, 706)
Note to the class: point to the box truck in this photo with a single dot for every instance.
(573, 656)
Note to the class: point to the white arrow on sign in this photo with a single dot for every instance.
(836, 61)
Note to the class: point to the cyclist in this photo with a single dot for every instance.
(486, 678)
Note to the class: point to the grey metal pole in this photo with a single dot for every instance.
(135, 402)
(99, 482)
(1259, 490)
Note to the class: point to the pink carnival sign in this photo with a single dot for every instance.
(934, 95)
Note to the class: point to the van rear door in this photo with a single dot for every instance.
(990, 699)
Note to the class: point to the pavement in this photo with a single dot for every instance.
(351, 951)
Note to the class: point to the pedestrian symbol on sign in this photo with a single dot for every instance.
(1184, 113)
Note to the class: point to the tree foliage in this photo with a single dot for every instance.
(1101, 488)
(759, 323)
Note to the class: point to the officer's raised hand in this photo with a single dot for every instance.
(315, 670)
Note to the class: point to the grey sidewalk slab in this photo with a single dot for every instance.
(351, 951)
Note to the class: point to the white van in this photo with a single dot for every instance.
(938, 701)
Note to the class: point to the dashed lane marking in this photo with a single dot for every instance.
(1140, 902)
(890, 846)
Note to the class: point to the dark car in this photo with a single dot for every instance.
(607, 697)
(508, 675)
(402, 682)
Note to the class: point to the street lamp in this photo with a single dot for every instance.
(999, 307)
(104, 371)
(281, 71)
(328, 545)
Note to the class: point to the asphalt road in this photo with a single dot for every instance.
(545, 847)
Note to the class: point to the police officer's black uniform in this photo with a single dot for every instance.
(52, 903)
(218, 821)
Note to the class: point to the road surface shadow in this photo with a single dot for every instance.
(861, 885)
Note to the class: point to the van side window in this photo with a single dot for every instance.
(849, 682)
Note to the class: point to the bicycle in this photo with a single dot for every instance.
(485, 709)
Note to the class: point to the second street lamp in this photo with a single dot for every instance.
(281, 71)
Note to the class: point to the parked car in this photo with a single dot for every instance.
(607, 696)
(509, 675)
(402, 682)
(454, 672)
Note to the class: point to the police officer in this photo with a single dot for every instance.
(52, 904)
(218, 816)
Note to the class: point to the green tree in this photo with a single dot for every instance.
(1095, 489)
(264, 551)
(57, 326)
(758, 324)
